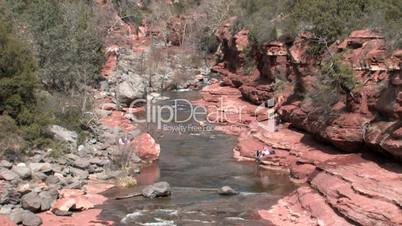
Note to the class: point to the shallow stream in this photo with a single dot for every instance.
(194, 161)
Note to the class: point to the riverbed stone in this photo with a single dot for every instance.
(40, 167)
(38, 176)
(6, 209)
(62, 213)
(46, 201)
(81, 163)
(31, 201)
(160, 189)
(72, 157)
(52, 179)
(98, 161)
(24, 188)
(226, 190)
(76, 183)
(9, 195)
(6, 164)
(16, 215)
(22, 170)
(79, 173)
(37, 158)
(30, 219)
(8, 175)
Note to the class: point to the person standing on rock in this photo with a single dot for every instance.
(123, 141)
(277, 122)
(258, 154)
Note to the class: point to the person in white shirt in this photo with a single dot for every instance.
(266, 151)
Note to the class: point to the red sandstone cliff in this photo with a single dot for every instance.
(369, 118)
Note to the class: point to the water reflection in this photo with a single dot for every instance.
(150, 174)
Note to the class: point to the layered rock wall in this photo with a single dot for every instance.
(367, 118)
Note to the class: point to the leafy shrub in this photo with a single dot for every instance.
(338, 75)
(334, 79)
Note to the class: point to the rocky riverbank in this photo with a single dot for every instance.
(336, 188)
(335, 156)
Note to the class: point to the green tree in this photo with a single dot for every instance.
(18, 86)
(67, 40)
(17, 74)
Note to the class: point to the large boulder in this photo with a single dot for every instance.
(160, 189)
(128, 80)
(130, 91)
(73, 200)
(47, 199)
(64, 135)
(31, 201)
(25, 217)
(145, 147)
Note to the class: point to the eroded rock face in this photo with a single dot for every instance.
(341, 189)
(354, 123)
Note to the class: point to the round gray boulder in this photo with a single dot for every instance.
(160, 189)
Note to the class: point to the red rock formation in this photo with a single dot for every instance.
(88, 217)
(145, 147)
(356, 120)
(338, 189)
(73, 199)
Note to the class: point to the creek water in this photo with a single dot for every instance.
(193, 161)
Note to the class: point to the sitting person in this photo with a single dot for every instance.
(266, 151)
